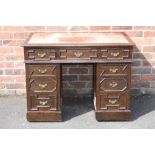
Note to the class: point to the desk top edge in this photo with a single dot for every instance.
(128, 41)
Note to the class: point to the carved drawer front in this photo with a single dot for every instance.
(111, 69)
(115, 53)
(113, 84)
(43, 84)
(114, 101)
(42, 70)
(42, 102)
(78, 53)
(40, 54)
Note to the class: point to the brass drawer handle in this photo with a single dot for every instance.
(78, 54)
(42, 71)
(43, 85)
(113, 84)
(41, 55)
(113, 70)
(112, 101)
(115, 54)
(42, 102)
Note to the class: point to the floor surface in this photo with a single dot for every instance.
(77, 114)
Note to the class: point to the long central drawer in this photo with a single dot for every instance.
(78, 53)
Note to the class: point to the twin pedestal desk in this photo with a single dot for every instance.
(110, 53)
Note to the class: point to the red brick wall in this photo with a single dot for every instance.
(77, 79)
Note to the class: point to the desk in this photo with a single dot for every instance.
(111, 55)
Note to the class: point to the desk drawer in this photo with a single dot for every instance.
(40, 54)
(113, 84)
(114, 101)
(114, 69)
(115, 53)
(78, 53)
(42, 102)
(35, 70)
(43, 84)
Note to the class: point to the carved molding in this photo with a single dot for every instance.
(41, 54)
(78, 53)
(117, 105)
(102, 88)
(125, 53)
(38, 102)
(118, 67)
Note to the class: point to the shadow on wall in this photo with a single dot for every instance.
(77, 80)
(142, 82)
(142, 72)
(77, 89)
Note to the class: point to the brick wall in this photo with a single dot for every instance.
(77, 79)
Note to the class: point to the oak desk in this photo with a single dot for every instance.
(110, 53)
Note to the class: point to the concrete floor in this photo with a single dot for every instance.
(77, 114)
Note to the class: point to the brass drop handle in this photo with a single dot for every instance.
(113, 84)
(43, 102)
(112, 101)
(113, 70)
(115, 54)
(41, 55)
(42, 71)
(43, 85)
(78, 54)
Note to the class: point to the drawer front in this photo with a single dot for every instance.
(113, 84)
(78, 53)
(40, 54)
(44, 70)
(114, 69)
(43, 84)
(114, 101)
(42, 102)
(115, 54)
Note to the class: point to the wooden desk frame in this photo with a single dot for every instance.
(112, 78)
